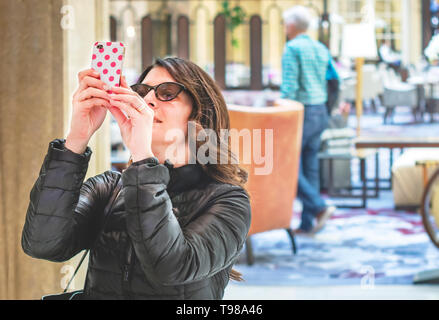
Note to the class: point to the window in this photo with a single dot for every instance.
(388, 22)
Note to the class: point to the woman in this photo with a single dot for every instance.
(177, 227)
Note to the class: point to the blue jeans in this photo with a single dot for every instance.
(315, 121)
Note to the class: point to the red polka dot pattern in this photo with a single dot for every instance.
(107, 59)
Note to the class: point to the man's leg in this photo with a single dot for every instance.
(316, 120)
(308, 188)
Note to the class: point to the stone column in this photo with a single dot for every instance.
(40, 56)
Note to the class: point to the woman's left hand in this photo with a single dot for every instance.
(136, 129)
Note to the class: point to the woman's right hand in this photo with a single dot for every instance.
(90, 103)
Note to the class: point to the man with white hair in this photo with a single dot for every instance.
(306, 64)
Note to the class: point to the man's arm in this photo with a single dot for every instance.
(331, 73)
(290, 74)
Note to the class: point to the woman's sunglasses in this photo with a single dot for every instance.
(165, 91)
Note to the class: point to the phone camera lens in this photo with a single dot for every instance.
(100, 46)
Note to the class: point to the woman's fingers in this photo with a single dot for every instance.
(96, 102)
(88, 72)
(128, 95)
(128, 110)
(89, 78)
(133, 101)
(88, 81)
(93, 92)
(124, 90)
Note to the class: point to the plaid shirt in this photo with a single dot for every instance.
(306, 65)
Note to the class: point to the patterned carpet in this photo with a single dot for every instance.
(357, 247)
(377, 245)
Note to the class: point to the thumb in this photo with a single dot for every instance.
(119, 116)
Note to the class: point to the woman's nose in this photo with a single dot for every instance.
(150, 99)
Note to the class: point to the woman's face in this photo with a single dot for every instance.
(168, 115)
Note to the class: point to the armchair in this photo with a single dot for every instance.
(272, 195)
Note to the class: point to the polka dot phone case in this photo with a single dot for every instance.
(107, 59)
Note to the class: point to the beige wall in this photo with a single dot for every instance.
(40, 57)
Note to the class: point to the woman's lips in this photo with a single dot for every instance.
(156, 121)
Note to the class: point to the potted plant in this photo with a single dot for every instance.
(234, 17)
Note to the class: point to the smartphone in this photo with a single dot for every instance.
(107, 59)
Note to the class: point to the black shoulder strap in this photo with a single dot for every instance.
(107, 211)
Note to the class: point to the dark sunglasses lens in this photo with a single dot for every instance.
(140, 90)
(168, 91)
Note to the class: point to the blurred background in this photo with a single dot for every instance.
(385, 234)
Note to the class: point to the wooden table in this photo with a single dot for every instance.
(391, 143)
(396, 142)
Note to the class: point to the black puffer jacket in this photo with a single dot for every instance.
(173, 233)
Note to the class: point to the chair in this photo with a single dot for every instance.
(400, 95)
(272, 195)
(397, 93)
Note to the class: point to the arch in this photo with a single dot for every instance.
(128, 7)
(183, 37)
(255, 52)
(219, 38)
(193, 15)
(113, 28)
(273, 6)
(147, 42)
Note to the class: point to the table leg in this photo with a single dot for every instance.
(331, 177)
(364, 180)
(390, 168)
(377, 175)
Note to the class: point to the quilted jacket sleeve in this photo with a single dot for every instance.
(62, 211)
(174, 254)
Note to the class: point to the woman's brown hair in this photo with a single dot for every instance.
(209, 111)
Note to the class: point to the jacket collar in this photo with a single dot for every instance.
(185, 177)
